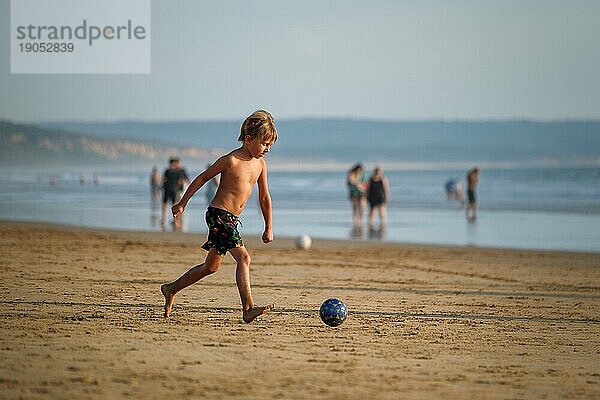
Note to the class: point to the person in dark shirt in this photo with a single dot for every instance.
(174, 181)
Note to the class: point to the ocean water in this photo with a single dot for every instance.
(536, 208)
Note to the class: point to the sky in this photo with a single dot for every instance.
(381, 60)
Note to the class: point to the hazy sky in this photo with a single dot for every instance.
(375, 59)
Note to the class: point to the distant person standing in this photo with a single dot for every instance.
(355, 180)
(378, 195)
(472, 181)
(174, 179)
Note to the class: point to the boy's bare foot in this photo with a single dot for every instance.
(168, 299)
(252, 313)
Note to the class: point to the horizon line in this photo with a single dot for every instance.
(314, 118)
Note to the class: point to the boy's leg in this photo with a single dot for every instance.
(242, 278)
(193, 275)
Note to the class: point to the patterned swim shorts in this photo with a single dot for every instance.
(222, 231)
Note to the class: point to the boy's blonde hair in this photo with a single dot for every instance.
(260, 124)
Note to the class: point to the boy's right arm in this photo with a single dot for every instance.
(219, 166)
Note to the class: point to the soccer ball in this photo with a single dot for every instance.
(333, 312)
(303, 242)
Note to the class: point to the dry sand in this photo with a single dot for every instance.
(82, 318)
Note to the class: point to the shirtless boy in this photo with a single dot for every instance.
(240, 170)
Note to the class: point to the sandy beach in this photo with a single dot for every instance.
(82, 317)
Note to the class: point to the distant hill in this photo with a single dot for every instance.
(29, 146)
(304, 143)
(346, 140)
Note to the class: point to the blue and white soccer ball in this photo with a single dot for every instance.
(333, 312)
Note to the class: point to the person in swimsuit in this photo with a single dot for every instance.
(240, 170)
(378, 195)
(356, 193)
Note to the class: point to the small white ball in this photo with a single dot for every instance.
(303, 242)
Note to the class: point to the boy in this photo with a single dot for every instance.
(240, 170)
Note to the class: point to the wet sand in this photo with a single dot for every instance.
(81, 316)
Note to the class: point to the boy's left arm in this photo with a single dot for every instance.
(264, 199)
